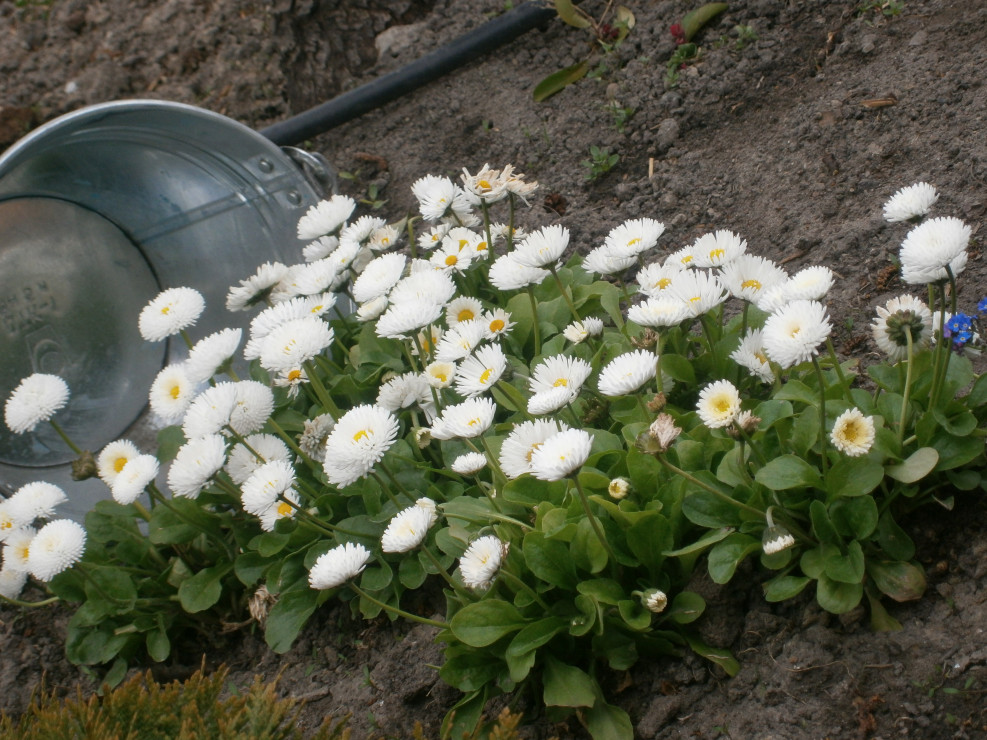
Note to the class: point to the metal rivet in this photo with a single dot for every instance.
(265, 165)
(294, 198)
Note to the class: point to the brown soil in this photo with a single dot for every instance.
(779, 139)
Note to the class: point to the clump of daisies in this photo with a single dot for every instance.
(552, 429)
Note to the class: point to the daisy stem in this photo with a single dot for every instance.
(534, 319)
(594, 522)
(28, 604)
(65, 438)
(515, 581)
(510, 222)
(485, 208)
(187, 339)
(444, 573)
(575, 418)
(511, 397)
(313, 522)
(153, 491)
(418, 346)
(754, 448)
(839, 371)
(710, 489)
(491, 458)
(908, 382)
(822, 414)
(289, 441)
(565, 292)
(941, 347)
(320, 390)
(396, 482)
(412, 244)
(640, 402)
(394, 610)
(659, 346)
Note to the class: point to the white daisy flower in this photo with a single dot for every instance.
(35, 399)
(438, 197)
(486, 186)
(853, 433)
(634, 237)
(700, 291)
(682, 258)
(17, 548)
(113, 457)
(469, 463)
(774, 298)
(717, 249)
(56, 547)
(428, 338)
(627, 372)
(134, 478)
(749, 275)
(506, 273)
(337, 566)
(440, 374)
(408, 528)
(11, 520)
(498, 322)
(407, 316)
(606, 261)
(12, 582)
(520, 444)
(793, 334)
(549, 401)
(296, 308)
(312, 440)
(481, 561)
(561, 454)
(810, 283)
(451, 257)
(320, 248)
(619, 488)
(372, 309)
(359, 441)
(910, 203)
(931, 247)
(378, 277)
(466, 420)
(463, 308)
(280, 510)
(429, 285)
(384, 238)
(559, 371)
(262, 488)
(403, 391)
(313, 279)
(291, 379)
(432, 237)
(719, 404)
(656, 277)
(888, 328)
(170, 312)
(578, 331)
(295, 342)
(460, 341)
(253, 406)
(36, 500)
(211, 354)
(478, 373)
(542, 247)
(360, 231)
(210, 411)
(197, 461)
(243, 460)
(171, 393)
(256, 288)
(325, 217)
(751, 356)
(659, 312)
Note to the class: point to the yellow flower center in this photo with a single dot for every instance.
(481, 247)
(473, 422)
(465, 315)
(441, 377)
(284, 509)
(119, 463)
(175, 391)
(695, 299)
(294, 376)
(563, 382)
(762, 357)
(635, 240)
(497, 325)
(485, 375)
(485, 185)
(716, 254)
(462, 244)
(165, 310)
(752, 283)
(360, 435)
(451, 260)
(663, 283)
(687, 259)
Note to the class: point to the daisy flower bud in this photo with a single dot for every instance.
(776, 539)
(170, 312)
(337, 566)
(36, 399)
(56, 547)
(654, 600)
(660, 435)
(469, 463)
(481, 561)
(619, 488)
(853, 433)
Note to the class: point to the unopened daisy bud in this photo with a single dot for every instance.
(619, 488)
(654, 600)
(775, 539)
(747, 422)
(647, 340)
(657, 403)
(423, 437)
(84, 467)
(664, 432)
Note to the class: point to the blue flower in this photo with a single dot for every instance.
(982, 306)
(959, 328)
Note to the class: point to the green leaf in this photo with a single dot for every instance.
(707, 540)
(570, 15)
(836, 597)
(158, 645)
(854, 517)
(728, 554)
(822, 525)
(170, 440)
(900, 580)
(708, 510)
(203, 590)
(587, 550)
(269, 544)
(648, 538)
(679, 368)
(784, 587)
(918, 465)
(634, 614)
(796, 390)
(607, 722)
(288, 616)
(558, 81)
(604, 590)
(788, 471)
(722, 658)
(686, 607)
(112, 587)
(694, 21)
(956, 451)
(893, 539)
(463, 719)
(536, 634)
(880, 620)
(249, 567)
(484, 622)
(549, 560)
(853, 476)
(844, 567)
(567, 686)
(376, 578)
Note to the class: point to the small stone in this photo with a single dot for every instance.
(668, 133)
(918, 39)
(868, 43)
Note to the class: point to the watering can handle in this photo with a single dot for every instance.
(320, 174)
